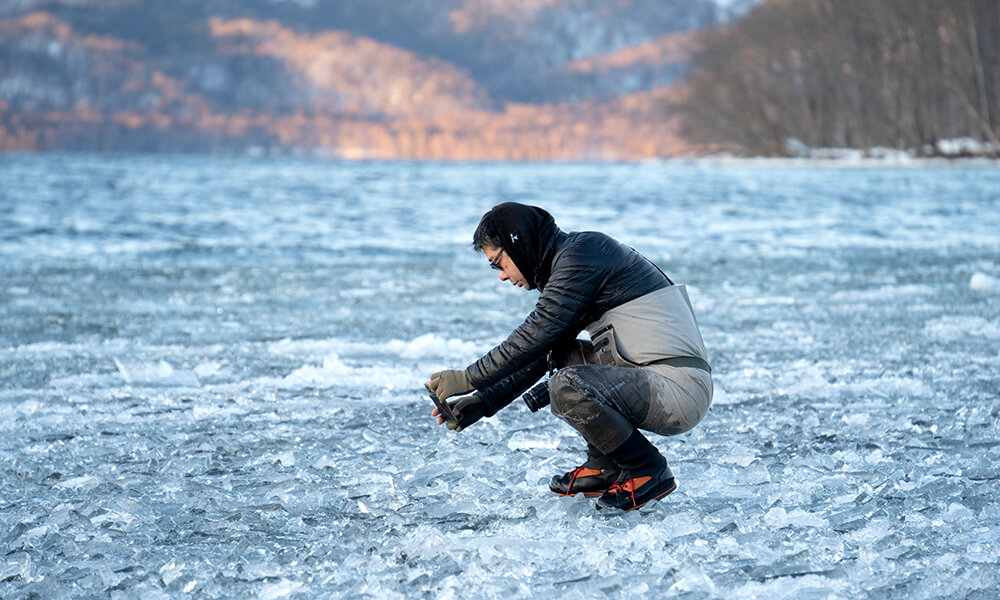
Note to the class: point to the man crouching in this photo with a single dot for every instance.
(645, 368)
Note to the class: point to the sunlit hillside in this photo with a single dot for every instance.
(462, 79)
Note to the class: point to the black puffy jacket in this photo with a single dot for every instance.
(588, 273)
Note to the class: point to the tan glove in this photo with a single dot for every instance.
(446, 384)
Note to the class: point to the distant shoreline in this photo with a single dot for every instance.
(939, 162)
(894, 161)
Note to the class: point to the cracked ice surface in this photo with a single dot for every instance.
(211, 369)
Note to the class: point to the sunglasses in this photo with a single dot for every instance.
(495, 263)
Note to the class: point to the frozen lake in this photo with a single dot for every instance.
(211, 369)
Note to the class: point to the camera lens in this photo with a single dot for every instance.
(537, 397)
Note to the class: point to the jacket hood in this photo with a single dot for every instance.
(528, 235)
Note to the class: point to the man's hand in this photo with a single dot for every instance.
(446, 384)
(468, 409)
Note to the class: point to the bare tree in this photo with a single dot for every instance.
(900, 73)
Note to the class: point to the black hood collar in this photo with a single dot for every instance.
(528, 235)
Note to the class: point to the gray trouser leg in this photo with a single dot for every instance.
(606, 404)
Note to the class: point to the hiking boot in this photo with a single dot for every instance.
(588, 479)
(632, 491)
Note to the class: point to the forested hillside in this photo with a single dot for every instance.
(849, 73)
(496, 79)
(535, 79)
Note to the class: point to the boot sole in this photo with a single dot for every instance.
(587, 494)
(657, 497)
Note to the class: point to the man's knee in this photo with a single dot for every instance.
(565, 392)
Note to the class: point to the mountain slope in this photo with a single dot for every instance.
(451, 79)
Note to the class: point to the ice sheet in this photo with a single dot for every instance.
(211, 384)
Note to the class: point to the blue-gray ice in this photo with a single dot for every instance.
(211, 369)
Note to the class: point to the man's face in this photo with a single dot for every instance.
(506, 268)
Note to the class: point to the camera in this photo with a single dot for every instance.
(537, 397)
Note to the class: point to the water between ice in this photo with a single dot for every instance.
(210, 383)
